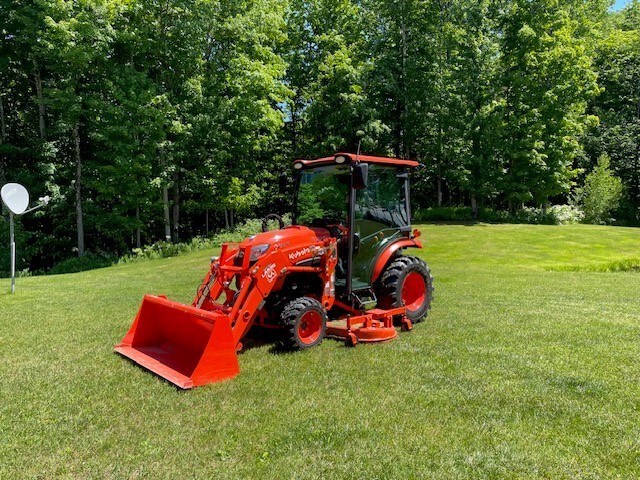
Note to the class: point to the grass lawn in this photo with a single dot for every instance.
(527, 367)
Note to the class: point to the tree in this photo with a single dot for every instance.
(618, 106)
(76, 39)
(601, 192)
(547, 79)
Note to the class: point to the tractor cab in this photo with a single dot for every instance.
(363, 202)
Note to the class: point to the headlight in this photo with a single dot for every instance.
(257, 251)
(341, 159)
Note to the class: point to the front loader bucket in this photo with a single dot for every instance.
(185, 345)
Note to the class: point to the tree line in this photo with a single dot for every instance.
(165, 119)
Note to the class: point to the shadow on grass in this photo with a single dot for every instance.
(256, 338)
(261, 337)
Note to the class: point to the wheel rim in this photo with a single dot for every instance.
(309, 327)
(414, 291)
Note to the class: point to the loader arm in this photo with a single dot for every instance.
(191, 345)
(257, 280)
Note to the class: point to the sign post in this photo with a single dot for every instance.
(13, 253)
(16, 198)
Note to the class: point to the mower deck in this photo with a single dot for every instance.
(374, 326)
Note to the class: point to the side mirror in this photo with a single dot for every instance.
(360, 175)
(356, 243)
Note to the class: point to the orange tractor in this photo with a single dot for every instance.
(338, 271)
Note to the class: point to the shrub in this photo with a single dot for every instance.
(163, 249)
(622, 265)
(444, 214)
(567, 214)
(554, 215)
(89, 261)
(601, 193)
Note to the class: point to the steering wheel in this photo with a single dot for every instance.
(272, 216)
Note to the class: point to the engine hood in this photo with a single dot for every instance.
(292, 235)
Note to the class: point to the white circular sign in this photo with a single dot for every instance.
(15, 197)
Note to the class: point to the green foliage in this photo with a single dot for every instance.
(601, 192)
(23, 250)
(161, 249)
(325, 196)
(165, 249)
(553, 215)
(89, 261)
(308, 206)
(240, 197)
(617, 58)
(548, 78)
(631, 264)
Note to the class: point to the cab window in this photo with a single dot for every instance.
(383, 202)
(323, 194)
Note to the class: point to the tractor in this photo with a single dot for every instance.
(338, 271)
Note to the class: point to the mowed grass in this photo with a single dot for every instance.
(524, 369)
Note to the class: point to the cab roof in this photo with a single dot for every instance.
(355, 158)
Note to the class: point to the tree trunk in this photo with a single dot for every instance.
(231, 222)
(637, 181)
(41, 106)
(78, 160)
(165, 199)
(165, 205)
(474, 207)
(175, 233)
(403, 86)
(138, 234)
(3, 125)
(294, 126)
(439, 190)
(206, 222)
(636, 170)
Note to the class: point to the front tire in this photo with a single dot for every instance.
(407, 281)
(305, 322)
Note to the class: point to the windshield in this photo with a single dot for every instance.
(323, 193)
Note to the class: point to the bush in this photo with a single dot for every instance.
(554, 215)
(601, 193)
(88, 261)
(444, 214)
(566, 214)
(622, 265)
(165, 249)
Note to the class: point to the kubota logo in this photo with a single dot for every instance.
(270, 272)
(300, 253)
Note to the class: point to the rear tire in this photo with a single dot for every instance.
(407, 281)
(305, 322)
